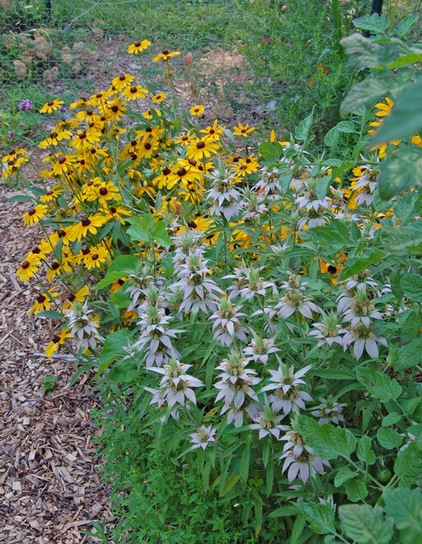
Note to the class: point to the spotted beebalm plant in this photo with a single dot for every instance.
(257, 312)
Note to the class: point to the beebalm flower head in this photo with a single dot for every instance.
(267, 422)
(328, 330)
(83, 325)
(25, 105)
(176, 384)
(299, 459)
(227, 325)
(285, 384)
(203, 437)
(260, 348)
(329, 411)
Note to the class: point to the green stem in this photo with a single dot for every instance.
(335, 4)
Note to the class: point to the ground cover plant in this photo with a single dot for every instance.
(251, 310)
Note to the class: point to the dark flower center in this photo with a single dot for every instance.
(103, 191)
(147, 145)
(86, 222)
(26, 264)
(95, 256)
(41, 299)
(62, 160)
(31, 211)
(85, 251)
(181, 172)
(166, 171)
(55, 265)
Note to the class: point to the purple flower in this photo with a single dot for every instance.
(203, 437)
(286, 386)
(175, 384)
(25, 105)
(227, 325)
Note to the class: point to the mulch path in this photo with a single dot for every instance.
(50, 489)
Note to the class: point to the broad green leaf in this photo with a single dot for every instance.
(404, 506)
(327, 440)
(284, 511)
(160, 234)
(400, 171)
(51, 314)
(322, 186)
(365, 93)
(320, 516)
(410, 58)
(139, 234)
(409, 355)
(381, 386)
(113, 348)
(303, 129)
(343, 475)
(347, 127)
(364, 451)
(364, 524)
(356, 490)
(362, 263)
(405, 119)
(335, 235)
(271, 151)
(400, 238)
(412, 286)
(120, 267)
(404, 207)
(230, 483)
(391, 419)
(364, 50)
(332, 137)
(374, 23)
(408, 465)
(405, 25)
(389, 438)
(20, 198)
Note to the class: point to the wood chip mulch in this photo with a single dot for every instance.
(50, 489)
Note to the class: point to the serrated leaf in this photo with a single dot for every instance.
(409, 355)
(303, 129)
(365, 93)
(332, 137)
(408, 465)
(347, 127)
(373, 23)
(412, 286)
(405, 25)
(326, 440)
(356, 490)
(400, 171)
(271, 151)
(320, 516)
(343, 475)
(364, 451)
(364, 524)
(362, 263)
(322, 186)
(404, 506)
(113, 348)
(381, 386)
(365, 50)
(404, 237)
(403, 121)
(389, 438)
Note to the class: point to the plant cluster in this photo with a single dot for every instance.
(252, 314)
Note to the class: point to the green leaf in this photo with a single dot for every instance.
(410, 58)
(326, 440)
(389, 438)
(409, 355)
(139, 234)
(356, 490)
(365, 93)
(120, 267)
(113, 348)
(19, 198)
(284, 511)
(335, 235)
(381, 386)
(271, 152)
(332, 137)
(363, 49)
(303, 129)
(230, 483)
(404, 506)
(400, 171)
(374, 23)
(404, 237)
(51, 314)
(404, 120)
(322, 186)
(321, 517)
(405, 25)
(364, 524)
(408, 465)
(160, 234)
(343, 475)
(391, 419)
(362, 263)
(412, 286)
(364, 451)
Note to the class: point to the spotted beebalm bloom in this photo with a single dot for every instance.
(203, 437)
(235, 387)
(328, 331)
(247, 283)
(176, 385)
(267, 422)
(83, 326)
(259, 349)
(155, 339)
(328, 411)
(299, 459)
(363, 339)
(227, 325)
(285, 384)
(223, 197)
(293, 300)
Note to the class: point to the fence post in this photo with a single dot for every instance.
(48, 6)
(377, 6)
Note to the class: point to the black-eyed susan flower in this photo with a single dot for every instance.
(79, 296)
(63, 164)
(96, 257)
(34, 215)
(202, 148)
(42, 302)
(27, 270)
(51, 106)
(138, 47)
(246, 166)
(150, 113)
(242, 130)
(165, 55)
(214, 131)
(84, 140)
(54, 138)
(115, 109)
(197, 110)
(87, 225)
(121, 82)
(57, 341)
(107, 191)
(159, 97)
(118, 213)
(133, 92)
(166, 179)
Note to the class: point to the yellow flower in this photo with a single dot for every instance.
(51, 106)
(121, 82)
(242, 130)
(96, 256)
(27, 270)
(42, 302)
(165, 55)
(159, 97)
(56, 342)
(197, 110)
(384, 109)
(214, 131)
(137, 47)
(199, 149)
(246, 166)
(79, 296)
(34, 214)
(134, 92)
(87, 225)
